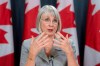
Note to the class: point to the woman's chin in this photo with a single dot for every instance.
(50, 34)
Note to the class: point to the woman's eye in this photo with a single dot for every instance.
(47, 20)
(55, 21)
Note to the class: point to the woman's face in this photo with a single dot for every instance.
(48, 23)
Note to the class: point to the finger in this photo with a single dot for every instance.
(56, 41)
(32, 39)
(43, 38)
(67, 38)
(61, 40)
(42, 46)
(40, 36)
(46, 41)
(61, 35)
(57, 45)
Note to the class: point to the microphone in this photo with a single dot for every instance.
(51, 60)
(52, 56)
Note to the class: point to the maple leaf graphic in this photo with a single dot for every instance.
(30, 23)
(67, 18)
(2, 38)
(93, 27)
(5, 15)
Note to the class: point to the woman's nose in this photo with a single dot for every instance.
(51, 23)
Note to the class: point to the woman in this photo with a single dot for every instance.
(50, 48)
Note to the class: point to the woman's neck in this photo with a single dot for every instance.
(49, 46)
(51, 37)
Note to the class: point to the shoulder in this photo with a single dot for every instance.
(73, 45)
(26, 43)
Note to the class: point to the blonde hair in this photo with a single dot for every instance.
(46, 9)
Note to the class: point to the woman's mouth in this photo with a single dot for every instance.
(50, 30)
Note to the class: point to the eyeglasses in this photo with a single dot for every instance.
(47, 20)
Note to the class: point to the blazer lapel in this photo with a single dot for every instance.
(43, 55)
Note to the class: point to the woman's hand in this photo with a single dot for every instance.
(63, 43)
(37, 44)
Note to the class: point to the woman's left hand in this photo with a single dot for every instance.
(63, 43)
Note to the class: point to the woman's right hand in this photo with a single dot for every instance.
(37, 44)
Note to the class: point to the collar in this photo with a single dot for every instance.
(43, 55)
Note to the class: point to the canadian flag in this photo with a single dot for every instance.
(92, 46)
(66, 10)
(31, 11)
(6, 34)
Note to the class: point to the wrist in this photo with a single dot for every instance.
(70, 54)
(30, 61)
(31, 57)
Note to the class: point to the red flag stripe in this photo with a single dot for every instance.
(6, 35)
(5, 15)
(92, 47)
(30, 22)
(7, 60)
(66, 10)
